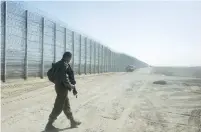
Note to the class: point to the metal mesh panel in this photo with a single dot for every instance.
(48, 44)
(109, 60)
(15, 43)
(15, 8)
(108, 54)
(92, 57)
(117, 62)
(100, 58)
(69, 46)
(103, 59)
(88, 56)
(60, 42)
(112, 61)
(82, 54)
(120, 64)
(69, 42)
(123, 63)
(97, 57)
(34, 45)
(76, 52)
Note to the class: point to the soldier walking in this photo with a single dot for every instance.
(64, 82)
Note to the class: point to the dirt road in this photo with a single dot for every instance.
(116, 102)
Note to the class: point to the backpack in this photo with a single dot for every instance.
(51, 74)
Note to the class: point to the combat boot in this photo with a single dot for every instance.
(50, 127)
(74, 123)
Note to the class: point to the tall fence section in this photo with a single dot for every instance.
(30, 43)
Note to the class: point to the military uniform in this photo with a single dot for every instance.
(61, 104)
(63, 81)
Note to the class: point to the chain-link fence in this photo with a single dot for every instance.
(31, 42)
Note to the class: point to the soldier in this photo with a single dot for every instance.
(64, 82)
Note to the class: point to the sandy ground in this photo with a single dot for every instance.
(116, 102)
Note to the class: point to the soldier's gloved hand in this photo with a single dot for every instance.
(72, 87)
(73, 82)
(74, 91)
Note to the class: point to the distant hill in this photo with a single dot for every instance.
(179, 71)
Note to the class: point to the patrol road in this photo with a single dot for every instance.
(114, 102)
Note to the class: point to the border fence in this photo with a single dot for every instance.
(30, 43)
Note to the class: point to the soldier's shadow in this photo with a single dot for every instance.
(59, 130)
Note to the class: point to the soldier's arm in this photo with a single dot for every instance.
(67, 83)
(71, 76)
(64, 77)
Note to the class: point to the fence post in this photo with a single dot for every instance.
(90, 57)
(94, 57)
(73, 54)
(4, 43)
(101, 62)
(115, 62)
(102, 56)
(80, 55)
(108, 60)
(104, 60)
(112, 62)
(42, 60)
(85, 63)
(64, 40)
(111, 56)
(26, 46)
(98, 58)
(106, 65)
(55, 26)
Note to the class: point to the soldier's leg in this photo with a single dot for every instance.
(58, 107)
(68, 113)
(67, 109)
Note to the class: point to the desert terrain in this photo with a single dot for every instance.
(110, 102)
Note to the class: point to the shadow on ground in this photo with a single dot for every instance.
(59, 130)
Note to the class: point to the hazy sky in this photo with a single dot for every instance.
(159, 33)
